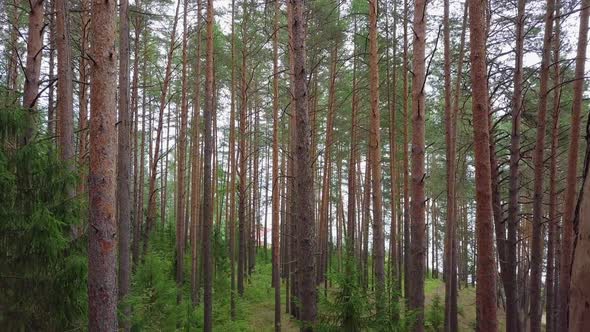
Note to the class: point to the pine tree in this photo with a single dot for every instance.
(102, 233)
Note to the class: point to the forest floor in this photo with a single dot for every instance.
(465, 305)
(258, 303)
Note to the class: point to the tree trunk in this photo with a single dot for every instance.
(243, 154)
(450, 268)
(255, 189)
(233, 168)
(578, 304)
(164, 170)
(124, 162)
(137, 231)
(509, 276)
(102, 234)
(375, 147)
(365, 220)
(151, 210)
(539, 167)
(196, 168)
(416, 271)
(136, 148)
(276, 259)
(350, 236)
(406, 166)
(393, 237)
(486, 266)
(64, 87)
(13, 72)
(323, 218)
(551, 278)
(452, 272)
(207, 175)
(33, 65)
(83, 95)
(181, 161)
(303, 193)
(293, 234)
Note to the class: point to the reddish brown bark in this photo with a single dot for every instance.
(124, 200)
(181, 159)
(375, 147)
(450, 268)
(233, 168)
(365, 221)
(509, 274)
(406, 167)
(196, 168)
(136, 148)
(243, 163)
(83, 94)
(350, 239)
(486, 265)
(327, 172)
(64, 86)
(208, 176)
(552, 233)
(276, 259)
(303, 191)
(49, 7)
(539, 167)
(293, 235)
(418, 225)
(33, 64)
(392, 101)
(102, 233)
(575, 298)
(137, 231)
(579, 306)
(254, 219)
(452, 272)
(12, 70)
(571, 177)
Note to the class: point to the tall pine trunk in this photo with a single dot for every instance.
(276, 259)
(102, 233)
(552, 234)
(181, 162)
(577, 305)
(406, 167)
(196, 169)
(83, 94)
(392, 101)
(450, 269)
(155, 157)
(33, 65)
(375, 147)
(418, 226)
(124, 200)
(486, 266)
(64, 88)
(233, 168)
(208, 176)
(243, 166)
(539, 167)
(303, 191)
(509, 275)
(326, 190)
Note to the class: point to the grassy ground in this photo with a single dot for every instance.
(260, 299)
(466, 304)
(256, 308)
